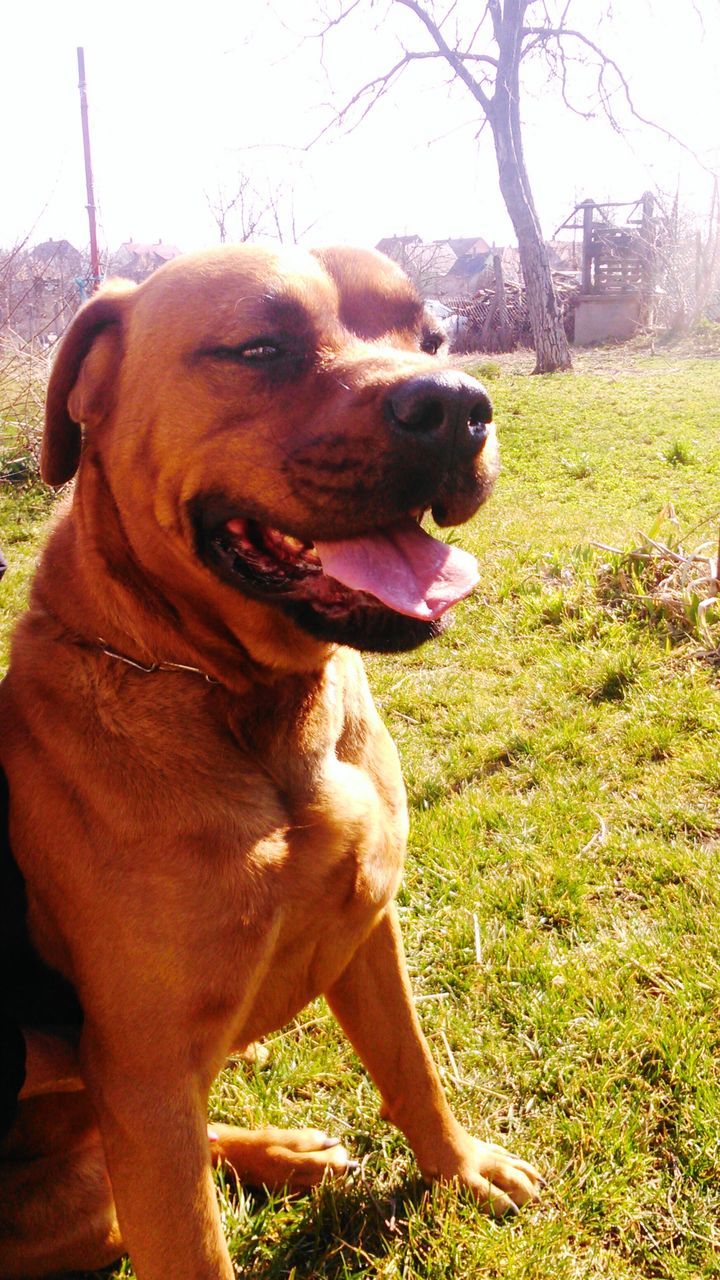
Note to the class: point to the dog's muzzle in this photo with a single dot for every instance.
(440, 411)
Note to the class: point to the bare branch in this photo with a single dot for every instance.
(453, 57)
(699, 15)
(375, 89)
(477, 30)
(493, 78)
(558, 61)
(543, 34)
(458, 128)
(471, 57)
(334, 22)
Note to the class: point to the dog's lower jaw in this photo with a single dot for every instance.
(370, 630)
(209, 625)
(329, 616)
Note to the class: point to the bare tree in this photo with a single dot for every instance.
(283, 215)
(486, 52)
(22, 365)
(251, 209)
(240, 212)
(39, 290)
(425, 264)
(687, 251)
(707, 258)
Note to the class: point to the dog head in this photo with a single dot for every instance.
(271, 426)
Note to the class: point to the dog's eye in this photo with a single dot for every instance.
(258, 349)
(432, 342)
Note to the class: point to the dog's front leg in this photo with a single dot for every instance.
(373, 1003)
(156, 1148)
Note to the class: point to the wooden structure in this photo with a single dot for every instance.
(497, 318)
(618, 269)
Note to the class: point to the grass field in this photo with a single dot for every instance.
(561, 748)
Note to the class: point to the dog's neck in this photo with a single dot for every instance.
(130, 614)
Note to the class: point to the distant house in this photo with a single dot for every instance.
(451, 268)
(474, 245)
(56, 259)
(471, 269)
(137, 261)
(426, 264)
(39, 290)
(396, 246)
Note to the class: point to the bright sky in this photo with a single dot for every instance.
(183, 98)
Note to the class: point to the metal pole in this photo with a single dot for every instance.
(94, 260)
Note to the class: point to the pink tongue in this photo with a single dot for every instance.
(404, 567)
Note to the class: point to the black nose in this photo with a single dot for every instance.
(444, 405)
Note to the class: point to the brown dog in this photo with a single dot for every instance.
(205, 806)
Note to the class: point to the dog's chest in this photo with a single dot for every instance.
(345, 843)
(338, 779)
(343, 860)
(343, 851)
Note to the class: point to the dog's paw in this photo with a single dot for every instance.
(500, 1181)
(293, 1158)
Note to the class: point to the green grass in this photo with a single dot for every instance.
(23, 516)
(562, 758)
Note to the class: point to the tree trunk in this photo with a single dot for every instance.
(551, 346)
(503, 111)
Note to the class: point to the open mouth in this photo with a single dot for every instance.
(274, 563)
(385, 589)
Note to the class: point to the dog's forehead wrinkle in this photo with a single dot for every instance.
(248, 297)
(306, 312)
(374, 313)
(289, 312)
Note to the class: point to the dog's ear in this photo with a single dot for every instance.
(81, 381)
